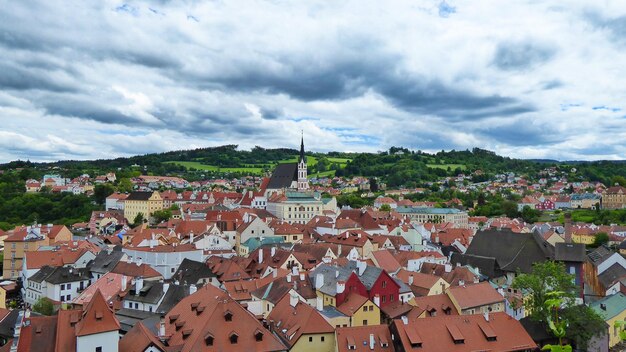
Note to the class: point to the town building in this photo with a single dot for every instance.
(145, 203)
(614, 198)
(436, 215)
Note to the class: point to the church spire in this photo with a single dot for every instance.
(302, 157)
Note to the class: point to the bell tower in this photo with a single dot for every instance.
(303, 182)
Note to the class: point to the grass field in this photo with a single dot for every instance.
(199, 166)
(257, 169)
(446, 166)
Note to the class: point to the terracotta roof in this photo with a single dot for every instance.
(435, 304)
(139, 338)
(293, 322)
(97, 317)
(360, 338)
(108, 286)
(135, 270)
(471, 332)
(66, 332)
(210, 318)
(38, 335)
(385, 260)
(475, 295)
(37, 259)
(352, 303)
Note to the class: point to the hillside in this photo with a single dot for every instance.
(396, 167)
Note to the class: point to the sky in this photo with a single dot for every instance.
(102, 79)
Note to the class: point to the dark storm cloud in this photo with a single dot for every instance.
(79, 107)
(16, 77)
(520, 132)
(522, 55)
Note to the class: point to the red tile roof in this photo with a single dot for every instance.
(97, 317)
(139, 338)
(210, 320)
(360, 338)
(475, 295)
(438, 334)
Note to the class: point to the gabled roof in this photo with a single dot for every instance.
(352, 303)
(283, 176)
(135, 270)
(438, 334)
(105, 261)
(60, 274)
(97, 317)
(139, 196)
(437, 304)
(512, 251)
(38, 335)
(210, 315)
(293, 322)
(614, 273)
(108, 286)
(475, 295)
(191, 272)
(139, 338)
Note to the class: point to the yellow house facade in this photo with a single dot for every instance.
(613, 310)
(315, 343)
(145, 203)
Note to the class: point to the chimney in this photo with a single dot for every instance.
(486, 315)
(448, 268)
(372, 342)
(341, 286)
(138, 285)
(166, 287)
(294, 270)
(410, 279)
(162, 328)
(568, 227)
(302, 276)
(293, 299)
(273, 252)
(191, 237)
(192, 289)
(336, 273)
(124, 282)
(405, 320)
(274, 273)
(289, 278)
(319, 281)
(377, 300)
(260, 255)
(319, 303)
(602, 306)
(461, 283)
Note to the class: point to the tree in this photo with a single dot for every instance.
(583, 324)
(545, 277)
(481, 199)
(510, 209)
(124, 185)
(162, 215)
(385, 207)
(102, 191)
(44, 306)
(619, 180)
(529, 214)
(600, 239)
(139, 219)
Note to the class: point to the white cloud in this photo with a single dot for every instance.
(521, 78)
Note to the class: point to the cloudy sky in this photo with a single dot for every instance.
(98, 79)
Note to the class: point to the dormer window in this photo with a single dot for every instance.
(258, 335)
(208, 339)
(228, 316)
(233, 338)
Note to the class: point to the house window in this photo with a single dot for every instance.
(310, 338)
(384, 284)
(322, 339)
(391, 298)
(99, 349)
(233, 338)
(62, 286)
(365, 308)
(371, 308)
(69, 286)
(364, 322)
(384, 299)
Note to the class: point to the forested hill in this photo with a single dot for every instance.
(397, 166)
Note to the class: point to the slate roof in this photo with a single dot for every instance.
(612, 274)
(130, 317)
(105, 261)
(599, 255)
(283, 176)
(191, 271)
(173, 295)
(569, 252)
(512, 251)
(60, 275)
(142, 196)
(150, 293)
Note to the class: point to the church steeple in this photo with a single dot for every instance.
(303, 182)
(302, 156)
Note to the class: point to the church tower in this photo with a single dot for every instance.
(303, 182)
